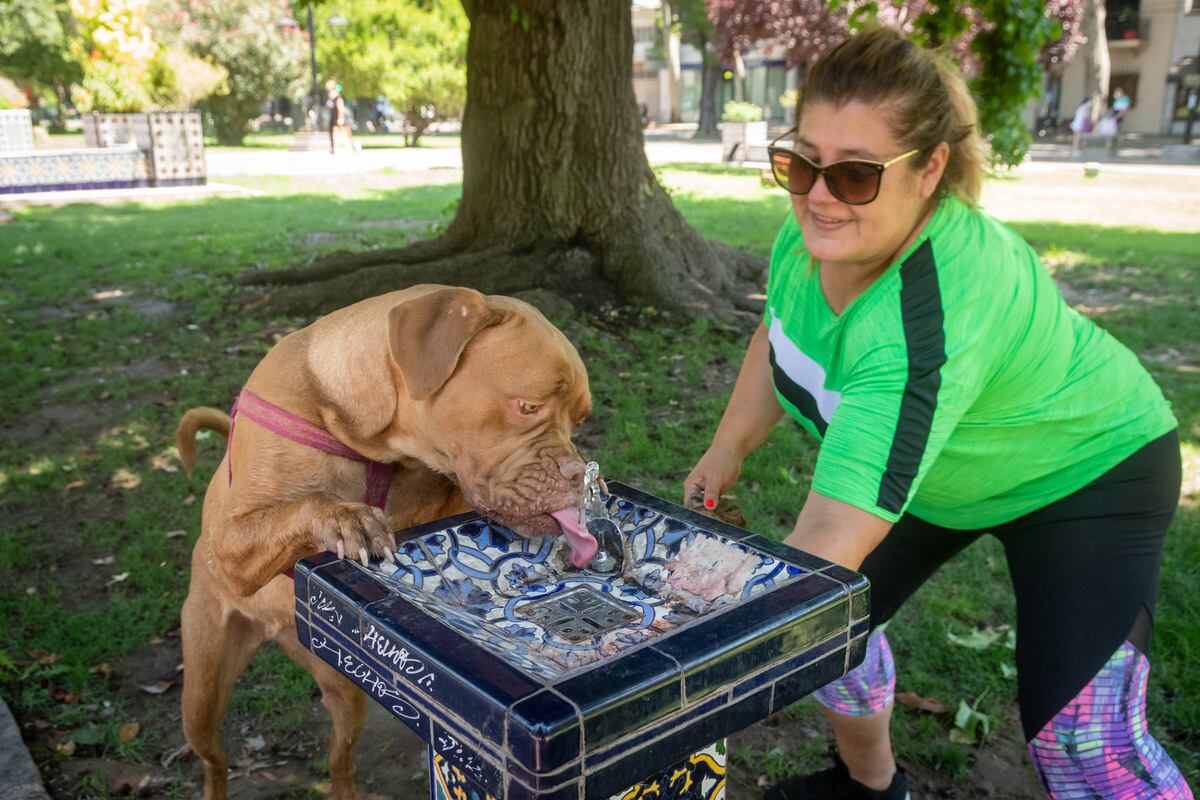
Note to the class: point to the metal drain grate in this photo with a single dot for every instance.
(579, 614)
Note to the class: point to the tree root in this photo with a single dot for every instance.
(344, 262)
(582, 274)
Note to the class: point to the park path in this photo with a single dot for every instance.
(1141, 191)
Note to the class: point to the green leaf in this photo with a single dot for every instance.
(978, 640)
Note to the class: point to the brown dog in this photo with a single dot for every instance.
(472, 399)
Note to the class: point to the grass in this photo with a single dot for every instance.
(118, 318)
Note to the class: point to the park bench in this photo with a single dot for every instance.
(124, 151)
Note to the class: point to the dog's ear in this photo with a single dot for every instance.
(428, 335)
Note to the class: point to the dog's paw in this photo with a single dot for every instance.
(355, 530)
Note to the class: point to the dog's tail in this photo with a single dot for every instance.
(213, 419)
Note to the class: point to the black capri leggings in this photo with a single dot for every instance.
(1084, 571)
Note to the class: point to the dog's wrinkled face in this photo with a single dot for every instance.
(501, 422)
(509, 411)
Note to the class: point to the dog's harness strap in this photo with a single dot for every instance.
(299, 430)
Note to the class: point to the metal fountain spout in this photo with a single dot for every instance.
(611, 554)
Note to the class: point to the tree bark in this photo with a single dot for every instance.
(557, 191)
(1097, 67)
(710, 77)
(670, 42)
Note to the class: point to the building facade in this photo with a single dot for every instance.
(767, 75)
(1153, 45)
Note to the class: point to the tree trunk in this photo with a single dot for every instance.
(710, 78)
(1097, 67)
(557, 191)
(739, 77)
(670, 42)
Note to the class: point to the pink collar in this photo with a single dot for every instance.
(301, 431)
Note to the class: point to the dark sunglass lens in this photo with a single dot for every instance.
(853, 181)
(792, 173)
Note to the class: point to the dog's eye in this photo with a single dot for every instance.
(528, 408)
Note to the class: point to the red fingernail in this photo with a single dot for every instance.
(710, 503)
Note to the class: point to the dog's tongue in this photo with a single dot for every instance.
(583, 544)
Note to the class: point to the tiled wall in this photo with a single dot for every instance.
(162, 148)
(16, 129)
(49, 170)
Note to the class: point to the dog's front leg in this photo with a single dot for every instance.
(255, 546)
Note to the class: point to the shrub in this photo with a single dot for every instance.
(739, 111)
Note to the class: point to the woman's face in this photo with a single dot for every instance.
(860, 235)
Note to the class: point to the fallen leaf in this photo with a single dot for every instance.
(157, 687)
(103, 562)
(44, 657)
(255, 743)
(89, 734)
(31, 590)
(914, 700)
(75, 484)
(124, 479)
(63, 696)
(958, 737)
(179, 752)
(164, 463)
(66, 748)
(176, 534)
(978, 639)
(187, 501)
(103, 668)
(762, 781)
(157, 640)
(117, 578)
(128, 732)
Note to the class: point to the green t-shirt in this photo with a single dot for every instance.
(959, 386)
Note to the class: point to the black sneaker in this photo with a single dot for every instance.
(835, 783)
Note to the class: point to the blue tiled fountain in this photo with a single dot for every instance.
(533, 680)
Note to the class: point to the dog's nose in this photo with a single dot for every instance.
(572, 470)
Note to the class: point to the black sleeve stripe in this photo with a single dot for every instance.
(796, 394)
(925, 337)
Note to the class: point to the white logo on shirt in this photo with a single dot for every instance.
(807, 373)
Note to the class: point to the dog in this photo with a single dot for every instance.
(397, 410)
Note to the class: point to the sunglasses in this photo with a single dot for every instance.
(854, 181)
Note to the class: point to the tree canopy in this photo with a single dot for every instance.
(262, 53)
(1002, 45)
(413, 53)
(34, 43)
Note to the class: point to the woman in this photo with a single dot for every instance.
(954, 393)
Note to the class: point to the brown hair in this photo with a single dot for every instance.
(926, 99)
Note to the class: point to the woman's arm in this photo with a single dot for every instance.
(749, 417)
(837, 531)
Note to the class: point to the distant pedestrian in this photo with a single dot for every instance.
(1081, 124)
(1120, 105)
(339, 125)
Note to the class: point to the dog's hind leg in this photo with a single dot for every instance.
(346, 704)
(217, 646)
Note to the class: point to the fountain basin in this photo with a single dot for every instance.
(532, 679)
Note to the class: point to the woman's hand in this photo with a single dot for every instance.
(714, 474)
(751, 413)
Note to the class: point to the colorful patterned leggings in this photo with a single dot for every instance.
(1098, 745)
(868, 688)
